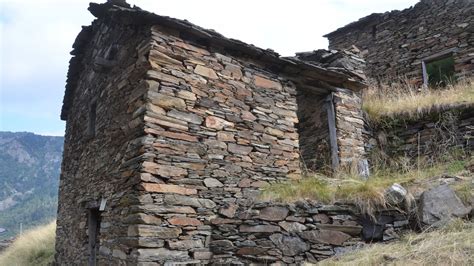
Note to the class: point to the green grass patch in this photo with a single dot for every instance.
(404, 101)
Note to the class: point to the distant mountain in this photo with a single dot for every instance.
(29, 176)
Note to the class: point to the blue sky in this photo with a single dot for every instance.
(36, 37)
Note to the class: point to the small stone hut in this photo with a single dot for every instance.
(426, 44)
(170, 126)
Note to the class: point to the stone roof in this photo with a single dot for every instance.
(118, 11)
(346, 61)
(376, 18)
(361, 23)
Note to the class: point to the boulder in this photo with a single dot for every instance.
(395, 194)
(439, 205)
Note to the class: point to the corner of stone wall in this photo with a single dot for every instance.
(350, 127)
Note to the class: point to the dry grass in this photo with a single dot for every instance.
(34, 247)
(452, 245)
(404, 99)
(368, 195)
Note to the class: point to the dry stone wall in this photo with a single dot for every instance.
(219, 129)
(350, 127)
(432, 135)
(394, 43)
(102, 164)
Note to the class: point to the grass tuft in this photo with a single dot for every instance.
(369, 195)
(410, 102)
(34, 247)
(451, 245)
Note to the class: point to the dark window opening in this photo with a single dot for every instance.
(374, 31)
(439, 72)
(94, 229)
(92, 119)
(112, 53)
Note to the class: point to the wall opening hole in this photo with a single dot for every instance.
(92, 119)
(439, 72)
(93, 232)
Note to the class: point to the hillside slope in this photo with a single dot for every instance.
(29, 173)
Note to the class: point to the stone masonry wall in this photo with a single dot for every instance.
(394, 43)
(102, 165)
(186, 134)
(349, 126)
(313, 132)
(220, 128)
(434, 134)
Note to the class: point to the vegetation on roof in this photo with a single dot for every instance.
(404, 100)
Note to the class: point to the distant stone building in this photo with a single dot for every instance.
(171, 126)
(429, 43)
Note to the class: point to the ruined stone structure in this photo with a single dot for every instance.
(404, 43)
(434, 133)
(173, 129)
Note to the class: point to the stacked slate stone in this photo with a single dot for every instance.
(217, 126)
(436, 132)
(394, 43)
(341, 60)
(305, 231)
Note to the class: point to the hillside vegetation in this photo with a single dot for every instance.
(29, 177)
(35, 247)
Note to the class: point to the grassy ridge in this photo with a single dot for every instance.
(35, 247)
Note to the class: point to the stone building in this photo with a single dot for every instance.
(171, 126)
(428, 43)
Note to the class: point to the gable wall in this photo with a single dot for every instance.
(394, 43)
(222, 128)
(104, 165)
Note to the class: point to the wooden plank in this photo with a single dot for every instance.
(332, 132)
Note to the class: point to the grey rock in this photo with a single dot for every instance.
(161, 255)
(259, 229)
(439, 205)
(273, 213)
(325, 237)
(185, 244)
(221, 246)
(189, 201)
(289, 246)
(396, 194)
(292, 226)
(212, 182)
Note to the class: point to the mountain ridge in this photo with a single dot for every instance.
(30, 165)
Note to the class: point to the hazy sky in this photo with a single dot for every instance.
(36, 37)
